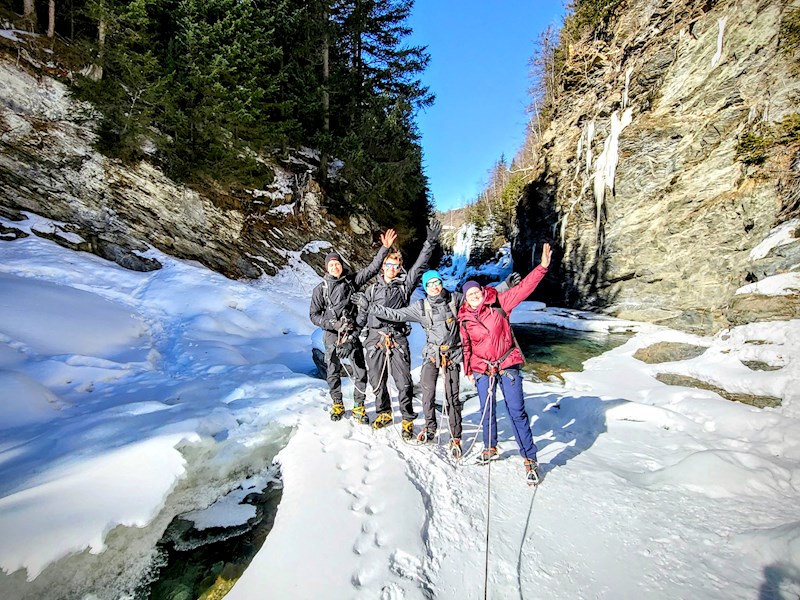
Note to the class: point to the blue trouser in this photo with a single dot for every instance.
(511, 384)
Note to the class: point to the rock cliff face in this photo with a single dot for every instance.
(48, 167)
(638, 181)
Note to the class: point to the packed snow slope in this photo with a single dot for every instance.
(130, 397)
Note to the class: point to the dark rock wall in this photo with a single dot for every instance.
(655, 217)
(48, 167)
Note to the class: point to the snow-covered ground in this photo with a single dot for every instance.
(130, 397)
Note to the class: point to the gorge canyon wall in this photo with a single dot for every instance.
(639, 178)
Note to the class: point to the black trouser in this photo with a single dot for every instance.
(383, 361)
(357, 371)
(428, 377)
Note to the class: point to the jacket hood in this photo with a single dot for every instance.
(489, 295)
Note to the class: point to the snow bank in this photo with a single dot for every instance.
(163, 391)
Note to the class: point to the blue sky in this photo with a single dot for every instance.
(479, 72)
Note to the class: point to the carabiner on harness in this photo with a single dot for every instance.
(387, 342)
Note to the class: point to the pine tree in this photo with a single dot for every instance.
(132, 82)
(375, 96)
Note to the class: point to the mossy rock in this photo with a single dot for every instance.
(751, 308)
(546, 372)
(758, 365)
(662, 352)
(749, 399)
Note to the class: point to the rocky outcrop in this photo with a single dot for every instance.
(638, 180)
(750, 399)
(48, 166)
(662, 352)
(746, 308)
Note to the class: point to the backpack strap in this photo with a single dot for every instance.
(502, 311)
(326, 293)
(496, 306)
(428, 312)
(453, 307)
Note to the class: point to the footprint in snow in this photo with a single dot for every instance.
(392, 592)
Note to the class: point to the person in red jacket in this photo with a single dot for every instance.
(491, 355)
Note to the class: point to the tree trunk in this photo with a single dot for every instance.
(101, 44)
(51, 19)
(29, 12)
(326, 116)
(358, 51)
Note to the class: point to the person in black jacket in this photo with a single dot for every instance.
(332, 311)
(386, 344)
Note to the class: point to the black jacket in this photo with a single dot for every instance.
(330, 300)
(395, 293)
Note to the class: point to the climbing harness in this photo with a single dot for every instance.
(387, 343)
(345, 331)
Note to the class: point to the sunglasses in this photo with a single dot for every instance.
(433, 283)
(391, 265)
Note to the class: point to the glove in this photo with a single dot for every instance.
(433, 231)
(346, 347)
(360, 300)
(513, 280)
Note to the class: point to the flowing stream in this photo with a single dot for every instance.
(550, 351)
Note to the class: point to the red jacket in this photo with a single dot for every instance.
(486, 333)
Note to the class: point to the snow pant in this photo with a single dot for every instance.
(357, 371)
(511, 384)
(394, 360)
(428, 376)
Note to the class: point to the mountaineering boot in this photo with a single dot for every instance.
(382, 420)
(455, 448)
(426, 435)
(532, 472)
(408, 429)
(360, 413)
(488, 455)
(337, 411)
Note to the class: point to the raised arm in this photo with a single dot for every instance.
(415, 272)
(510, 299)
(373, 268)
